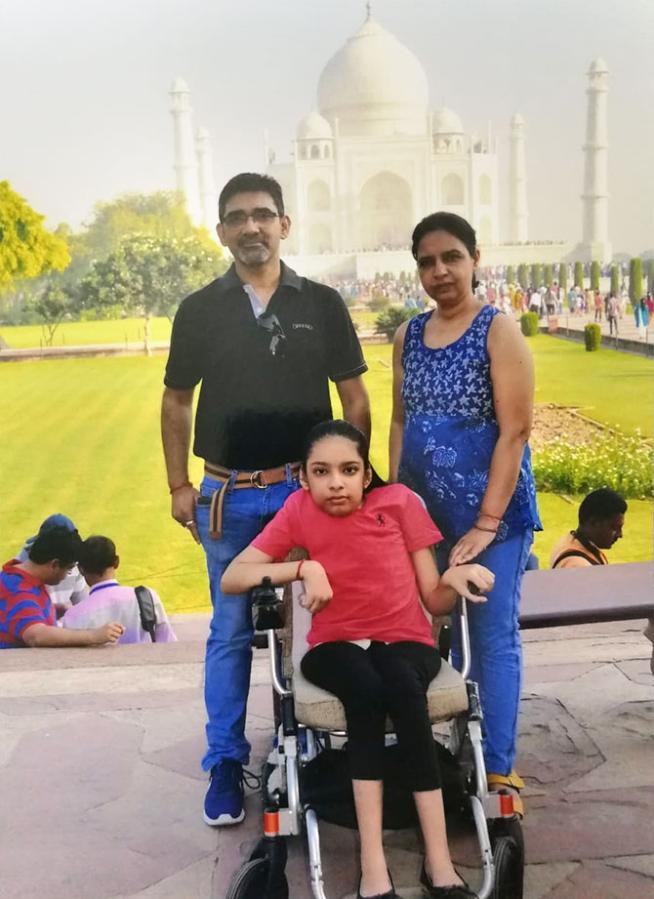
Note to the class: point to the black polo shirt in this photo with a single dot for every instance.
(255, 406)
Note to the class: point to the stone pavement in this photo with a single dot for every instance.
(102, 791)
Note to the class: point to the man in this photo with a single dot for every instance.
(108, 601)
(601, 518)
(72, 588)
(535, 301)
(27, 613)
(264, 342)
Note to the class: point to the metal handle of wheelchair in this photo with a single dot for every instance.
(275, 677)
(465, 638)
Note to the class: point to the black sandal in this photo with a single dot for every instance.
(453, 891)
(389, 894)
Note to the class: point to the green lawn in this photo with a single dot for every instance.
(124, 330)
(81, 436)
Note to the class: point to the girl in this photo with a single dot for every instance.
(370, 642)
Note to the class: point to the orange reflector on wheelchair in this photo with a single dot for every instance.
(506, 804)
(270, 824)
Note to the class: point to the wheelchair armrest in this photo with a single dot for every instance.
(267, 607)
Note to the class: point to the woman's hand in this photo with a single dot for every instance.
(317, 589)
(470, 546)
(461, 576)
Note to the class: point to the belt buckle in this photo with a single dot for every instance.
(255, 479)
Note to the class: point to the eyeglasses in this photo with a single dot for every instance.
(270, 323)
(238, 218)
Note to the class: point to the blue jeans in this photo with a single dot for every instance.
(229, 651)
(496, 648)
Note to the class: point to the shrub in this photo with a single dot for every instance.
(523, 276)
(388, 321)
(563, 276)
(592, 337)
(529, 324)
(536, 274)
(378, 302)
(594, 275)
(635, 279)
(510, 275)
(579, 274)
(611, 460)
(548, 274)
(615, 280)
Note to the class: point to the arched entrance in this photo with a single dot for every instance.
(385, 213)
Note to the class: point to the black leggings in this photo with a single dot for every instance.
(371, 683)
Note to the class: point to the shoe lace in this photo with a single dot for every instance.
(251, 780)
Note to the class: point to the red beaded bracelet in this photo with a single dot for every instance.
(299, 569)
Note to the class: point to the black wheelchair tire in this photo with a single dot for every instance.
(251, 882)
(509, 862)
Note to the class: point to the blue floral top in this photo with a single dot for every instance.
(450, 431)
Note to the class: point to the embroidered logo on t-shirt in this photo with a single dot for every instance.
(379, 518)
(305, 325)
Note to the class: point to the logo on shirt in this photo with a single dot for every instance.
(381, 521)
(305, 325)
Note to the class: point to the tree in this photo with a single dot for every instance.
(536, 274)
(548, 274)
(650, 275)
(595, 272)
(579, 275)
(510, 275)
(27, 249)
(149, 276)
(563, 276)
(635, 280)
(52, 305)
(388, 321)
(523, 276)
(615, 280)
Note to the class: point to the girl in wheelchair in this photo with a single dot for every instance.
(370, 573)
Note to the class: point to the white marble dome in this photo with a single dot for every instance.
(446, 121)
(374, 85)
(314, 127)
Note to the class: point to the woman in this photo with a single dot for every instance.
(462, 406)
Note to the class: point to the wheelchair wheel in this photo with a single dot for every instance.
(251, 882)
(509, 861)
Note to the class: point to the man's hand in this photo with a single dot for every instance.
(317, 589)
(108, 633)
(183, 502)
(460, 577)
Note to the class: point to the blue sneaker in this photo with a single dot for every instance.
(223, 803)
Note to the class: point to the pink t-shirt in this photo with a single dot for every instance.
(367, 559)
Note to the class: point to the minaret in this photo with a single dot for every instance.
(186, 169)
(518, 182)
(595, 234)
(206, 181)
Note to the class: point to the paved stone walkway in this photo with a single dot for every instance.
(102, 792)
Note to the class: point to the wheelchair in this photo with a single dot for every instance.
(305, 778)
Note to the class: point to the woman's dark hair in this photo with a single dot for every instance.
(336, 428)
(446, 221)
(600, 505)
(58, 543)
(97, 554)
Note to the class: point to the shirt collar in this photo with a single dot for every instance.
(102, 584)
(288, 278)
(12, 567)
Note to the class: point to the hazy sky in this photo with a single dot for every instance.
(85, 106)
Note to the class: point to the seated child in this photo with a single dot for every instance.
(27, 612)
(370, 641)
(107, 600)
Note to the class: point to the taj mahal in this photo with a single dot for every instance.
(374, 157)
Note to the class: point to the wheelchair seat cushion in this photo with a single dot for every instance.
(446, 697)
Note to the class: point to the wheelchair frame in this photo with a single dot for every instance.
(286, 814)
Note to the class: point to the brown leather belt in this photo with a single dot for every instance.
(239, 480)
